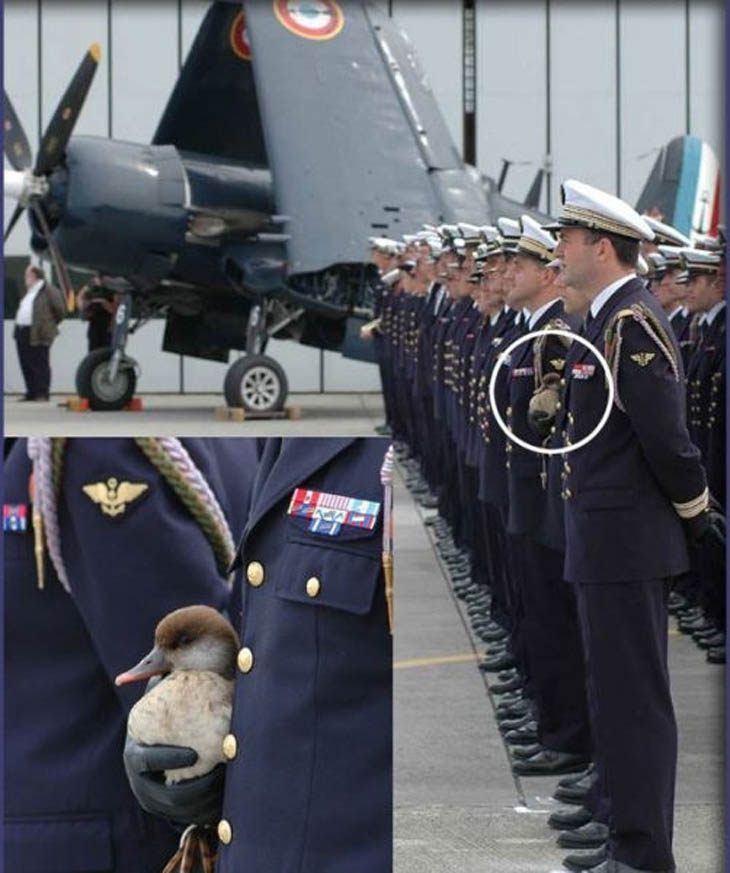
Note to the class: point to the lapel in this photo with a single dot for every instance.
(297, 460)
(525, 351)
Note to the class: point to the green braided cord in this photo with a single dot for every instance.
(58, 447)
(190, 499)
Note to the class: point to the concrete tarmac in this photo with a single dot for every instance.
(458, 807)
(181, 415)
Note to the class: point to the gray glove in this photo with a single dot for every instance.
(194, 801)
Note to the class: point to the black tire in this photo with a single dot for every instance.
(256, 383)
(92, 384)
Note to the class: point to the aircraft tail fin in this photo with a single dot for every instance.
(213, 108)
(684, 187)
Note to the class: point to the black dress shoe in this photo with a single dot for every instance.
(585, 860)
(24, 399)
(708, 629)
(572, 795)
(513, 710)
(494, 665)
(550, 763)
(524, 736)
(576, 777)
(589, 836)
(712, 642)
(569, 819)
(383, 430)
(500, 688)
(513, 724)
(716, 656)
(523, 753)
(690, 627)
(493, 636)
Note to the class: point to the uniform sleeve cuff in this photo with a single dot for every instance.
(693, 507)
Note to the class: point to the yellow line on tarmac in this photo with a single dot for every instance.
(435, 661)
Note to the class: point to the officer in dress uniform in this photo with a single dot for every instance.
(102, 538)
(671, 295)
(704, 279)
(552, 638)
(308, 783)
(631, 494)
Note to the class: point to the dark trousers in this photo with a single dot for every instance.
(554, 648)
(34, 364)
(624, 629)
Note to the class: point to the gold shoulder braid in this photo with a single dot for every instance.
(613, 339)
(538, 348)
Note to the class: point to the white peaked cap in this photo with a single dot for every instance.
(535, 240)
(586, 206)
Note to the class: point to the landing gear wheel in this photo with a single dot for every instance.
(92, 381)
(256, 383)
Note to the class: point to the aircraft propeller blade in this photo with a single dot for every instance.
(57, 134)
(19, 210)
(17, 148)
(58, 262)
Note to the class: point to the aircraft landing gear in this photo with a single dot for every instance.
(107, 378)
(100, 385)
(257, 383)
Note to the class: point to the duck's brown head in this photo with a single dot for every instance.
(191, 638)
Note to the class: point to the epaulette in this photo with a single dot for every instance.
(538, 349)
(613, 337)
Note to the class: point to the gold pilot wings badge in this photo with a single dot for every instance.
(113, 497)
(643, 358)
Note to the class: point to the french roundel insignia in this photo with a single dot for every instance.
(312, 19)
(239, 38)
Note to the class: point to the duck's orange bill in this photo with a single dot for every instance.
(153, 664)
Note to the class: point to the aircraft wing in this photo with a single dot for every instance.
(356, 144)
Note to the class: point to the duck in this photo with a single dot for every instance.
(195, 652)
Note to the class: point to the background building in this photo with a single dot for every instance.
(589, 89)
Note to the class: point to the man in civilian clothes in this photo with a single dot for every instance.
(41, 309)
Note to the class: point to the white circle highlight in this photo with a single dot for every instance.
(539, 450)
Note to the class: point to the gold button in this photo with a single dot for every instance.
(225, 834)
(313, 586)
(558, 405)
(230, 747)
(245, 660)
(567, 468)
(255, 574)
(562, 381)
(553, 429)
(568, 493)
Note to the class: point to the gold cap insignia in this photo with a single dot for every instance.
(114, 496)
(557, 363)
(643, 358)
